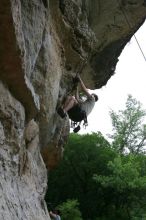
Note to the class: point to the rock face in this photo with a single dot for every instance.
(43, 44)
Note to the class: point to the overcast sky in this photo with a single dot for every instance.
(130, 78)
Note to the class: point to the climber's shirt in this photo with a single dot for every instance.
(88, 105)
(57, 217)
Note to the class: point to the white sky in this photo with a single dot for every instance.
(130, 78)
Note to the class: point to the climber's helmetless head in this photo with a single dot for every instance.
(95, 97)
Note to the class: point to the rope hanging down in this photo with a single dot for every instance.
(126, 18)
(80, 69)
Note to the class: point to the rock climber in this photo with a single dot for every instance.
(55, 214)
(76, 108)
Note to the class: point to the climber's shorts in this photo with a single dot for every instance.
(76, 113)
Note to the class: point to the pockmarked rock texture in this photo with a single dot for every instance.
(43, 44)
(22, 170)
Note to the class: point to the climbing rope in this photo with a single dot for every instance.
(127, 20)
(79, 71)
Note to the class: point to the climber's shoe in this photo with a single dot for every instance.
(61, 112)
(77, 129)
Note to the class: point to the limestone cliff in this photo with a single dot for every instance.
(43, 43)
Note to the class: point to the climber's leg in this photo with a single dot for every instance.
(61, 112)
(70, 102)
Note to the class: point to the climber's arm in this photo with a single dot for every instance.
(52, 214)
(84, 87)
(77, 95)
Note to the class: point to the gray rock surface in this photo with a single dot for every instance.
(43, 44)
(22, 170)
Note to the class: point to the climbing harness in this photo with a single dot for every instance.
(77, 125)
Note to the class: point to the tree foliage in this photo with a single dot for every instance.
(99, 178)
(127, 182)
(70, 210)
(128, 131)
(84, 156)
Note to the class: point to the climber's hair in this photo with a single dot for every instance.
(57, 211)
(95, 97)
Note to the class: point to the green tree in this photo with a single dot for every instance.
(84, 156)
(70, 210)
(127, 182)
(128, 130)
